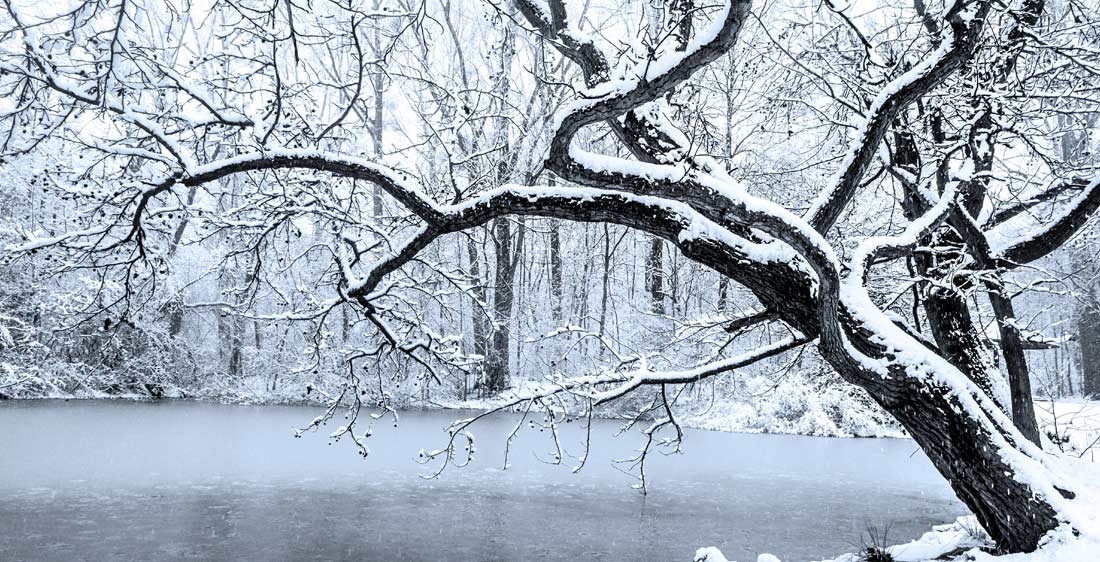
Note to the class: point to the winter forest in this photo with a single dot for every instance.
(646, 218)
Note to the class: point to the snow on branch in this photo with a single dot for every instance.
(397, 184)
(957, 42)
(1050, 236)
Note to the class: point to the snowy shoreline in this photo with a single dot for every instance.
(729, 419)
(1076, 421)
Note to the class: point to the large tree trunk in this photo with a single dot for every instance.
(965, 434)
(970, 442)
(957, 337)
(969, 457)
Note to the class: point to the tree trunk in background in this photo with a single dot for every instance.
(1074, 143)
(175, 317)
(727, 151)
(497, 362)
(581, 286)
(723, 294)
(478, 322)
(229, 332)
(257, 342)
(1019, 379)
(233, 334)
(1088, 342)
(675, 291)
(173, 309)
(234, 364)
(230, 325)
(655, 275)
(1087, 317)
(555, 271)
(378, 86)
(606, 285)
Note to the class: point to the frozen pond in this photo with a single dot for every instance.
(176, 481)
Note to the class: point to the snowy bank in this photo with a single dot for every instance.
(793, 406)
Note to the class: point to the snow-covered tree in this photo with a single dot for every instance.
(928, 175)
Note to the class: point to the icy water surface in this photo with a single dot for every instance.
(181, 481)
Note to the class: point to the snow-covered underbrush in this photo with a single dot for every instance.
(1073, 426)
(798, 405)
(63, 380)
(50, 377)
(76, 381)
(119, 359)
